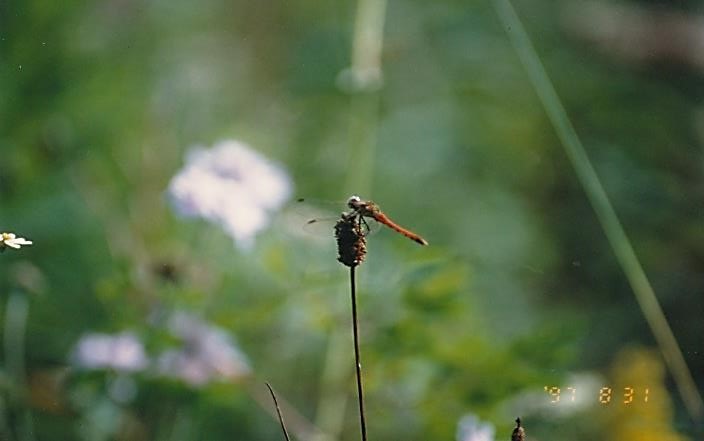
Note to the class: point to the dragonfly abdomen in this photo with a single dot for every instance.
(383, 219)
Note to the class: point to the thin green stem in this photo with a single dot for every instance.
(278, 412)
(599, 200)
(297, 423)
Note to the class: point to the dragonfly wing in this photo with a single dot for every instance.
(320, 226)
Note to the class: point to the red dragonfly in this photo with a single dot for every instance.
(368, 209)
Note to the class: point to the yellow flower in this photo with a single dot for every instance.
(636, 369)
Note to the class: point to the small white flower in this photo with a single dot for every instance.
(470, 428)
(231, 185)
(122, 352)
(208, 353)
(12, 241)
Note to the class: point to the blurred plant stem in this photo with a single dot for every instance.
(368, 41)
(599, 200)
(362, 143)
(363, 80)
(332, 403)
(16, 313)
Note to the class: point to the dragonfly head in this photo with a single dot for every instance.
(353, 201)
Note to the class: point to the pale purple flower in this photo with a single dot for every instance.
(121, 352)
(208, 353)
(231, 185)
(470, 428)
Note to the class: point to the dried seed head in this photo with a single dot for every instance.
(351, 243)
(519, 434)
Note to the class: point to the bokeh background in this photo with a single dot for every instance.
(127, 320)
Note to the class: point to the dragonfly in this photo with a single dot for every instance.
(369, 210)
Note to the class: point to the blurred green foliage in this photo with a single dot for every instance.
(99, 101)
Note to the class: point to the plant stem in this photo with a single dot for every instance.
(363, 82)
(358, 363)
(278, 412)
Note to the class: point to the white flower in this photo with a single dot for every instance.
(231, 185)
(208, 353)
(122, 352)
(470, 428)
(12, 241)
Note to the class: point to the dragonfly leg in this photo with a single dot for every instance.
(364, 223)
